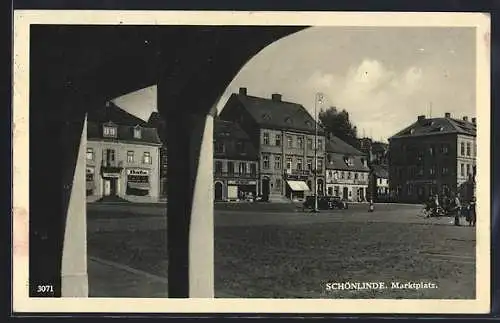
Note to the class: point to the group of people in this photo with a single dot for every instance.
(452, 206)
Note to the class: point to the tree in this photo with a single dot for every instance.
(338, 124)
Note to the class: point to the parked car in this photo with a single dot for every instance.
(325, 203)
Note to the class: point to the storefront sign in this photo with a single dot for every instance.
(242, 182)
(143, 172)
(111, 175)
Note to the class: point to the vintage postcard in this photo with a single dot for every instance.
(240, 162)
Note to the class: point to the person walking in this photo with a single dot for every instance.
(455, 208)
(472, 212)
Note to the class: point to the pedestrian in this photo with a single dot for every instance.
(455, 208)
(472, 212)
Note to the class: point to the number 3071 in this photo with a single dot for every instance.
(45, 289)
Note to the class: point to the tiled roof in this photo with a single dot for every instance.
(336, 145)
(337, 161)
(380, 171)
(125, 133)
(229, 133)
(112, 112)
(435, 126)
(277, 114)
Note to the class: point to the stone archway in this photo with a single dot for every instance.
(219, 191)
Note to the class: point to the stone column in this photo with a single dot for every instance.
(74, 278)
(190, 207)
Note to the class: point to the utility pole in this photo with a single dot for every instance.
(319, 98)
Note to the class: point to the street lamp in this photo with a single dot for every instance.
(318, 99)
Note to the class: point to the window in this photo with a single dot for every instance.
(90, 154)
(336, 190)
(230, 168)
(243, 168)
(265, 161)
(445, 149)
(300, 142)
(410, 189)
(320, 144)
(266, 138)
(320, 165)
(253, 169)
(467, 167)
(309, 164)
(432, 150)
(355, 175)
(309, 144)
(130, 156)
(219, 147)
(462, 170)
(445, 171)
(218, 167)
(420, 171)
(240, 146)
(462, 149)
(348, 175)
(342, 175)
(299, 164)
(475, 147)
(146, 158)
(468, 149)
(277, 162)
(432, 170)
(109, 131)
(109, 157)
(289, 163)
(330, 191)
(137, 132)
(289, 140)
(278, 140)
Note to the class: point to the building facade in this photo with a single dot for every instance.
(235, 163)
(157, 122)
(122, 159)
(347, 172)
(432, 156)
(290, 160)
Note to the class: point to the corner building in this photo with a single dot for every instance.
(123, 157)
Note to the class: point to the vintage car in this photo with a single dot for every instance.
(325, 203)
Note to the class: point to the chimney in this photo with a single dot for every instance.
(474, 120)
(243, 91)
(465, 118)
(421, 117)
(447, 115)
(276, 97)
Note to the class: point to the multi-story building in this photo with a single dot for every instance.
(284, 135)
(432, 156)
(380, 178)
(235, 163)
(157, 122)
(377, 151)
(122, 156)
(347, 172)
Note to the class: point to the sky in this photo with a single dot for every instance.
(383, 76)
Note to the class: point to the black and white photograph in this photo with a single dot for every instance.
(251, 162)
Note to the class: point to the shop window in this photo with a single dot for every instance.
(137, 183)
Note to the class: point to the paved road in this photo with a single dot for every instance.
(137, 218)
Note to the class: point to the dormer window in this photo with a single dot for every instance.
(137, 132)
(348, 161)
(109, 130)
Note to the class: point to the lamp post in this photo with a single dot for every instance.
(319, 98)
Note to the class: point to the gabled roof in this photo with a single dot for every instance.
(337, 161)
(336, 145)
(277, 114)
(435, 126)
(230, 133)
(125, 133)
(380, 171)
(112, 112)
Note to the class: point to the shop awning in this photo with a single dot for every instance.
(90, 185)
(298, 185)
(138, 186)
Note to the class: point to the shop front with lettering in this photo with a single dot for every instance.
(241, 189)
(138, 182)
(90, 181)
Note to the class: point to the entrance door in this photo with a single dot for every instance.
(265, 188)
(218, 191)
(113, 187)
(107, 187)
(345, 193)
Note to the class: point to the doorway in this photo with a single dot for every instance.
(265, 188)
(218, 191)
(345, 193)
